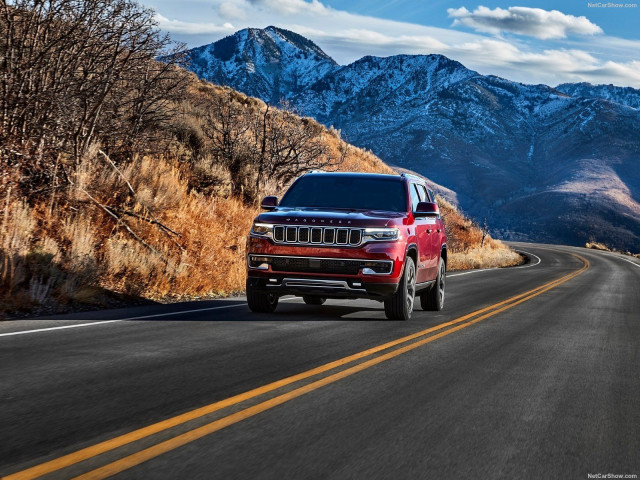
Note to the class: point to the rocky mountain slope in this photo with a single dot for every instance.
(269, 64)
(623, 95)
(547, 164)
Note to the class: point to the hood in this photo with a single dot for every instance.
(334, 218)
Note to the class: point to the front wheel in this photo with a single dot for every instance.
(311, 300)
(261, 301)
(433, 299)
(400, 305)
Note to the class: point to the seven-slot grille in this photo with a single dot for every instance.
(317, 235)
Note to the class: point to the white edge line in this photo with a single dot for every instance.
(471, 271)
(501, 268)
(24, 332)
(630, 261)
(102, 322)
(618, 255)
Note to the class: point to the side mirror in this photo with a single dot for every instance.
(427, 209)
(269, 203)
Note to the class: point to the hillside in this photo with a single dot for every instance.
(545, 164)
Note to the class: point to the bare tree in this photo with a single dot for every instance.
(485, 232)
(227, 125)
(77, 72)
(294, 145)
(260, 145)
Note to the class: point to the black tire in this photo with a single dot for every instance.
(311, 300)
(261, 301)
(400, 305)
(433, 299)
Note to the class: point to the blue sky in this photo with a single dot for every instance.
(531, 42)
(611, 20)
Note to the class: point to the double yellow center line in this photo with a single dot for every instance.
(404, 344)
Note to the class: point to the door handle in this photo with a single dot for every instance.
(429, 230)
(439, 230)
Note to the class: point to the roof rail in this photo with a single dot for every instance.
(410, 175)
(314, 171)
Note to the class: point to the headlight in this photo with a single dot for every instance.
(262, 229)
(381, 234)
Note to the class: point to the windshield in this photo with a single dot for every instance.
(347, 192)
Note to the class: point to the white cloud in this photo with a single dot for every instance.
(232, 11)
(192, 28)
(401, 42)
(613, 72)
(293, 7)
(535, 22)
(551, 66)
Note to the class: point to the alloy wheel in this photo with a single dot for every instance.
(441, 284)
(411, 288)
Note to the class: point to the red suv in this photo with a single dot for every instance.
(349, 235)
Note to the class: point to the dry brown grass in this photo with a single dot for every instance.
(493, 254)
(207, 259)
(597, 246)
(601, 246)
(16, 229)
(464, 240)
(58, 257)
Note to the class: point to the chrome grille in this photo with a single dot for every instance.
(320, 236)
(303, 234)
(278, 233)
(292, 234)
(316, 235)
(329, 235)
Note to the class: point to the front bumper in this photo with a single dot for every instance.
(369, 271)
(321, 287)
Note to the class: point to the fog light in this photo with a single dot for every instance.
(259, 262)
(375, 268)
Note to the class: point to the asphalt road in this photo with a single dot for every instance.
(528, 372)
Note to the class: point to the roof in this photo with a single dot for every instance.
(352, 174)
(367, 175)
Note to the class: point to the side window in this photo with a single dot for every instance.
(433, 197)
(415, 197)
(424, 196)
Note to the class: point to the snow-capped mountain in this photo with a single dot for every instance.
(550, 164)
(623, 95)
(269, 64)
